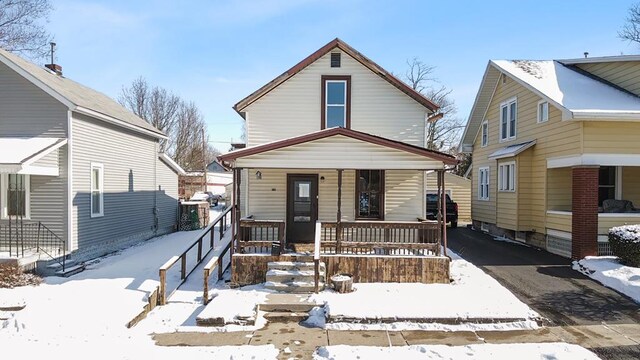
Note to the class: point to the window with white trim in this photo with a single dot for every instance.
(507, 176)
(485, 133)
(508, 119)
(336, 103)
(483, 183)
(15, 195)
(97, 190)
(543, 111)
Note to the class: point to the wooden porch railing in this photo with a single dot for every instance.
(259, 236)
(380, 237)
(208, 233)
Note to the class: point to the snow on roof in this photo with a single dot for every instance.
(172, 164)
(580, 94)
(24, 149)
(511, 150)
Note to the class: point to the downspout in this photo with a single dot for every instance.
(155, 187)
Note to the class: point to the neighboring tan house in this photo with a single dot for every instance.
(336, 140)
(459, 190)
(553, 143)
(78, 172)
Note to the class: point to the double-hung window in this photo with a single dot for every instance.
(485, 133)
(97, 190)
(507, 176)
(508, 119)
(336, 93)
(14, 196)
(370, 194)
(543, 111)
(483, 183)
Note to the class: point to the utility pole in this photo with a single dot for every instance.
(204, 162)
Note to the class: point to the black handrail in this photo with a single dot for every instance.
(18, 236)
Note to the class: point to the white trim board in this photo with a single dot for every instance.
(594, 160)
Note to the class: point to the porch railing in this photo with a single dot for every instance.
(261, 236)
(380, 238)
(24, 238)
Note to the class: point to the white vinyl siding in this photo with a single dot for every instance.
(483, 183)
(543, 111)
(97, 190)
(485, 133)
(294, 107)
(15, 196)
(507, 176)
(508, 119)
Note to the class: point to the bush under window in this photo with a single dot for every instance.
(625, 244)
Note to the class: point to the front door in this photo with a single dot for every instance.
(302, 208)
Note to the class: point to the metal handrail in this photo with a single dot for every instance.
(32, 235)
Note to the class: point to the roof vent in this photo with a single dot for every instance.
(54, 67)
(335, 60)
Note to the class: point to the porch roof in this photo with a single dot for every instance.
(511, 150)
(339, 148)
(26, 151)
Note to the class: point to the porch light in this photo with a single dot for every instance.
(322, 179)
(258, 175)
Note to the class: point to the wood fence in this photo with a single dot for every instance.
(259, 236)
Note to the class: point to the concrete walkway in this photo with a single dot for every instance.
(296, 341)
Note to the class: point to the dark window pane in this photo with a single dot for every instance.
(302, 208)
(364, 204)
(374, 209)
(504, 123)
(95, 202)
(607, 175)
(375, 181)
(336, 93)
(335, 116)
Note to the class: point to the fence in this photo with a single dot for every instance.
(260, 236)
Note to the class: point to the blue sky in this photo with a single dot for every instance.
(216, 52)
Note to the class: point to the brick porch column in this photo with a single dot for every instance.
(584, 222)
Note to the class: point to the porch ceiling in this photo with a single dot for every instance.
(26, 151)
(592, 159)
(339, 148)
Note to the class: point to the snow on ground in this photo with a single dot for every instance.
(472, 295)
(557, 351)
(85, 314)
(608, 271)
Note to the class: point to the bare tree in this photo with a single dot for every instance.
(187, 149)
(156, 105)
(442, 134)
(22, 26)
(631, 29)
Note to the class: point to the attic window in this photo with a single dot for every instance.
(335, 60)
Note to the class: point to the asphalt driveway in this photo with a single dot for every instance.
(545, 281)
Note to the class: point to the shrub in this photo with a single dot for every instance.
(625, 244)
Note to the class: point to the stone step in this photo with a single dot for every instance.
(293, 265)
(293, 275)
(285, 316)
(293, 287)
(288, 303)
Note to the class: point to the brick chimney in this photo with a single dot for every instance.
(55, 68)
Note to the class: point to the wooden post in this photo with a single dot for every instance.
(163, 287)
(316, 274)
(238, 211)
(339, 214)
(200, 248)
(205, 292)
(233, 212)
(439, 206)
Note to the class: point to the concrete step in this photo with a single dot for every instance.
(296, 287)
(293, 275)
(285, 316)
(293, 265)
(71, 270)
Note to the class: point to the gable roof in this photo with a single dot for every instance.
(171, 163)
(358, 135)
(335, 43)
(78, 97)
(577, 94)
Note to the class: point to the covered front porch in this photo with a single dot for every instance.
(33, 192)
(585, 200)
(354, 200)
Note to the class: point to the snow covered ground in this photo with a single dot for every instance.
(85, 315)
(608, 271)
(556, 351)
(490, 301)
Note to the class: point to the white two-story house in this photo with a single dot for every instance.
(338, 140)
